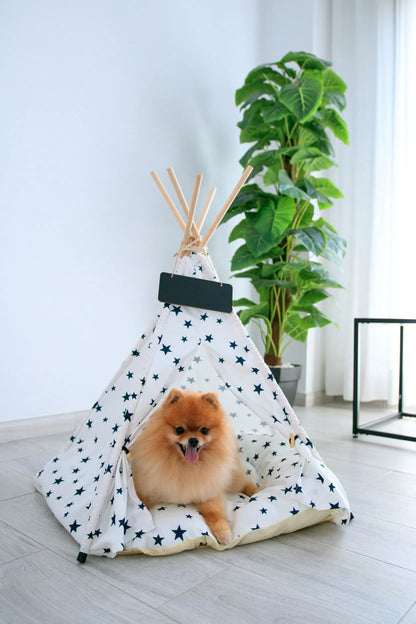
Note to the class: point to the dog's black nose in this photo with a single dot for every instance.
(193, 442)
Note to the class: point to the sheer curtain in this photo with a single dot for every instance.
(374, 51)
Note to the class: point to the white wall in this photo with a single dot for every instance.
(95, 94)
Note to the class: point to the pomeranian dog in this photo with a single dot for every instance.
(187, 454)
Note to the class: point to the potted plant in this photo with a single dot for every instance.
(288, 108)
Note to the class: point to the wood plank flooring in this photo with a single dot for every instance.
(361, 573)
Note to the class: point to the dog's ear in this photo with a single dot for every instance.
(174, 396)
(211, 397)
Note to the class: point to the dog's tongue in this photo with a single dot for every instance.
(191, 454)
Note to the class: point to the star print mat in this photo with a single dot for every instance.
(89, 487)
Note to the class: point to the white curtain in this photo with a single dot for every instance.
(374, 51)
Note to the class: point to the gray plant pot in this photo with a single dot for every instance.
(288, 379)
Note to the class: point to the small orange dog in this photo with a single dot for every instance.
(187, 454)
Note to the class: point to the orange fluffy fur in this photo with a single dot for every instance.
(187, 453)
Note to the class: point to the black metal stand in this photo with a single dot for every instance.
(368, 428)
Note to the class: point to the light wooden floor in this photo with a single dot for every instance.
(364, 572)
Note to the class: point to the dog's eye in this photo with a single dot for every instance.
(179, 430)
(204, 431)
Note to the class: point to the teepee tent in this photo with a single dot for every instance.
(89, 486)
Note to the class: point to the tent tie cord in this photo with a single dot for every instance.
(194, 247)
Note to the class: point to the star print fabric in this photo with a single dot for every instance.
(89, 485)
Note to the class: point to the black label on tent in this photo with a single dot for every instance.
(195, 292)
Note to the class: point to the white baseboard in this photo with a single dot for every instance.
(13, 430)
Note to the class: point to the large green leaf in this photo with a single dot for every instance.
(237, 209)
(286, 210)
(255, 272)
(272, 221)
(311, 297)
(258, 131)
(303, 98)
(306, 185)
(259, 283)
(260, 310)
(257, 243)
(246, 158)
(254, 89)
(336, 99)
(269, 270)
(287, 187)
(305, 153)
(263, 224)
(334, 122)
(313, 134)
(317, 276)
(243, 302)
(266, 158)
(316, 161)
(335, 245)
(272, 175)
(248, 193)
(313, 239)
(298, 325)
(332, 82)
(287, 70)
(242, 258)
(264, 73)
(314, 158)
(273, 110)
(326, 186)
(239, 231)
(305, 60)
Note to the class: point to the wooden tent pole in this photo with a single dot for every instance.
(168, 200)
(227, 204)
(206, 208)
(191, 213)
(181, 197)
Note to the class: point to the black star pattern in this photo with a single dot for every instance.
(74, 526)
(158, 540)
(179, 533)
(123, 523)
